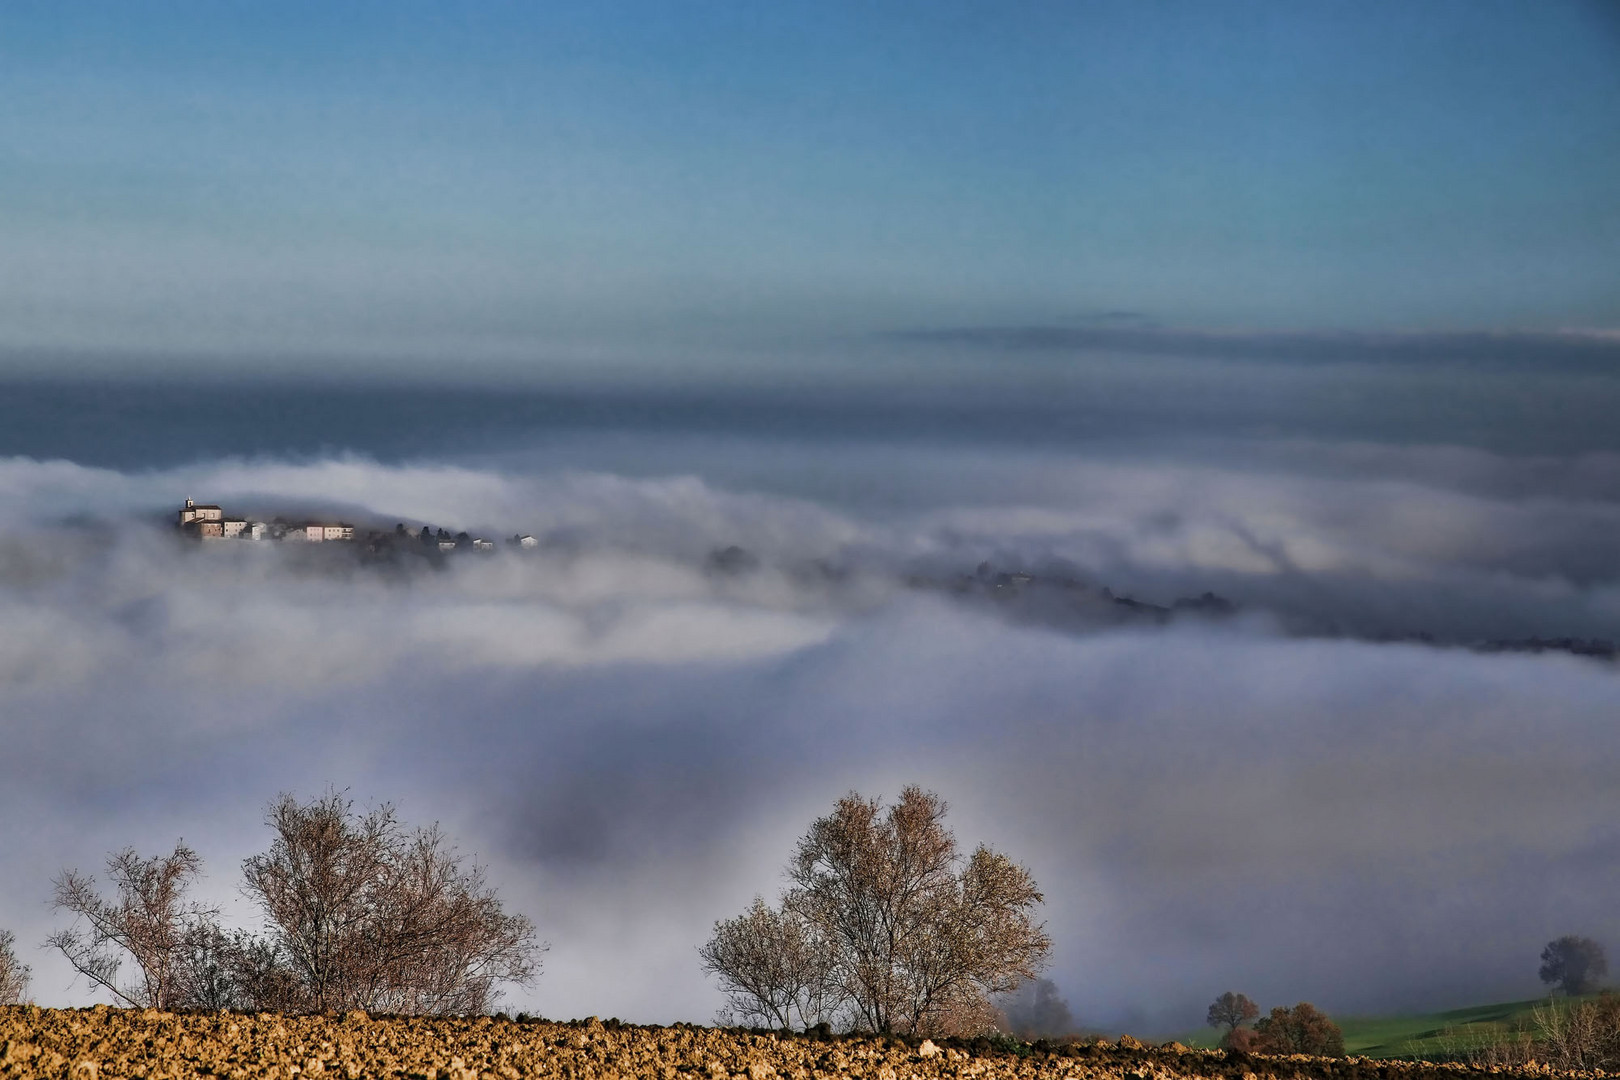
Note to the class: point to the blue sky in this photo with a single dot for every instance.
(512, 183)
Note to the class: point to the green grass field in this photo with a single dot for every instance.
(1431, 1035)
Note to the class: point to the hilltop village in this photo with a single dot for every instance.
(1056, 601)
(205, 521)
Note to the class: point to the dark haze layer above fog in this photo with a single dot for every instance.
(1101, 390)
(632, 739)
(1597, 352)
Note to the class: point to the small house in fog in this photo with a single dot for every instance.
(525, 541)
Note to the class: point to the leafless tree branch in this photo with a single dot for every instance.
(149, 922)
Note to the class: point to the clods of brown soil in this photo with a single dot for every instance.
(92, 1044)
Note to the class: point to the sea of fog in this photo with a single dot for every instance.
(1296, 799)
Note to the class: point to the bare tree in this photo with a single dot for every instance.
(916, 937)
(1231, 1011)
(1575, 965)
(149, 922)
(13, 972)
(773, 967)
(366, 915)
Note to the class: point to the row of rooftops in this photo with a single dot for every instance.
(207, 521)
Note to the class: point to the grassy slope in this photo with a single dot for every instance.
(1429, 1035)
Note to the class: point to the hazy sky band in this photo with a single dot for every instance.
(508, 181)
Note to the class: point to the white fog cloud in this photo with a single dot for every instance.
(632, 738)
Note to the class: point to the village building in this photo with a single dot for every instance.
(193, 512)
(208, 522)
(320, 531)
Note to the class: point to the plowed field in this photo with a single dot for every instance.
(89, 1044)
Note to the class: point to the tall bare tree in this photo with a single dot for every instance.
(13, 972)
(774, 968)
(1231, 1010)
(149, 922)
(916, 936)
(368, 915)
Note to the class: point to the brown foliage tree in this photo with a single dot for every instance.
(1231, 1011)
(367, 915)
(149, 922)
(13, 972)
(1300, 1030)
(915, 937)
(1573, 964)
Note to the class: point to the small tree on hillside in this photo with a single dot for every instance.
(1231, 1011)
(1575, 965)
(1300, 1030)
(916, 937)
(13, 972)
(149, 922)
(367, 915)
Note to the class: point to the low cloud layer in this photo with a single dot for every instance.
(632, 735)
(1127, 332)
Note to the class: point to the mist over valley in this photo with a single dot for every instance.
(721, 632)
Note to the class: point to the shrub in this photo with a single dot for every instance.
(1584, 1037)
(1301, 1030)
(13, 972)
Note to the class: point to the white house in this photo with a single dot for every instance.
(317, 532)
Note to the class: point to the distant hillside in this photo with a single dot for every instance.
(1436, 1036)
